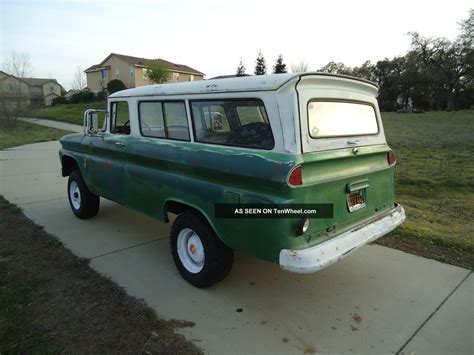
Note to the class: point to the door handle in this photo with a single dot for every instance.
(120, 144)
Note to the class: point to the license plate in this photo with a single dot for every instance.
(356, 200)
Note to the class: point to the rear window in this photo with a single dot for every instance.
(341, 119)
(241, 123)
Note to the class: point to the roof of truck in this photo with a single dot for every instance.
(235, 84)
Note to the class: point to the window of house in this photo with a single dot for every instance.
(166, 119)
(120, 118)
(51, 89)
(191, 77)
(103, 74)
(117, 73)
(176, 76)
(234, 122)
(132, 72)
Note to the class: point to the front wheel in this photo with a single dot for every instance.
(83, 202)
(200, 256)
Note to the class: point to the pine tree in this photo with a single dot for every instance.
(279, 66)
(240, 69)
(260, 66)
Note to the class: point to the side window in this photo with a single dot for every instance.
(241, 123)
(120, 118)
(164, 120)
(151, 119)
(176, 121)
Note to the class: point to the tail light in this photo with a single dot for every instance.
(391, 158)
(296, 176)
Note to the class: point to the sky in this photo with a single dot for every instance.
(212, 35)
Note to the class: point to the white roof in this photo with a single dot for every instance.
(234, 84)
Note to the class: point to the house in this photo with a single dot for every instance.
(42, 91)
(70, 93)
(132, 72)
(13, 91)
(30, 91)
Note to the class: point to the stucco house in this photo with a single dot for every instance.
(43, 91)
(68, 95)
(131, 71)
(13, 91)
(31, 91)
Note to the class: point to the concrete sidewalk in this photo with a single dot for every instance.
(54, 124)
(378, 300)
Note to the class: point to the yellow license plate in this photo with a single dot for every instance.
(356, 200)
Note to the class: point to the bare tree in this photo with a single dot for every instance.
(300, 67)
(14, 92)
(79, 80)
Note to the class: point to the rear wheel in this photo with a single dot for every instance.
(200, 256)
(83, 202)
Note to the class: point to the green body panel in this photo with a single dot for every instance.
(146, 173)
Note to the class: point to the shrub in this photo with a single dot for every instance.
(82, 97)
(60, 100)
(115, 85)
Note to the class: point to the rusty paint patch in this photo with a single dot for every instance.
(356, 318)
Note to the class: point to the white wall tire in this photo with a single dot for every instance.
(200, 256)
(83, 202)
(190, 250)
(75, 195)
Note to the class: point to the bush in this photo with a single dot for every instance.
(115, 85)
(82, 97)
(60, 100)
(101, 95)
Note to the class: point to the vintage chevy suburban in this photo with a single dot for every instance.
(274, 139)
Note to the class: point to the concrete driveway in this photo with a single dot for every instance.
(378, 300)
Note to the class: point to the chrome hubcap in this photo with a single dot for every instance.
(190, 250)
(75, 195)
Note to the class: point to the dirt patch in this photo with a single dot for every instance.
(444, 253)
(53, 301)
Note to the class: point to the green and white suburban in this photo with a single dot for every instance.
(280, 139)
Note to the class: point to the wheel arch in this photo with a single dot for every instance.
(68, 165)
(177, 206)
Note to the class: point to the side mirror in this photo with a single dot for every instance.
(91, 121)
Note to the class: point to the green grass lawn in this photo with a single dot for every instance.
(27, 133)
(435, 175)
(65, 113)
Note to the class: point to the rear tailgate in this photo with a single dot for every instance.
(358, 186)
(344, 153)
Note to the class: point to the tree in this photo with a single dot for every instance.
(279, 66)
(260, 65)
(448, 66)
(156, 72)
(365, 71)
(336, 68)
(14, 94)
(79, 80)
(467, 30)
(115, 85)
(240, 69)
(300, 67)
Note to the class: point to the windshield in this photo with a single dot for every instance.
(338, 119)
